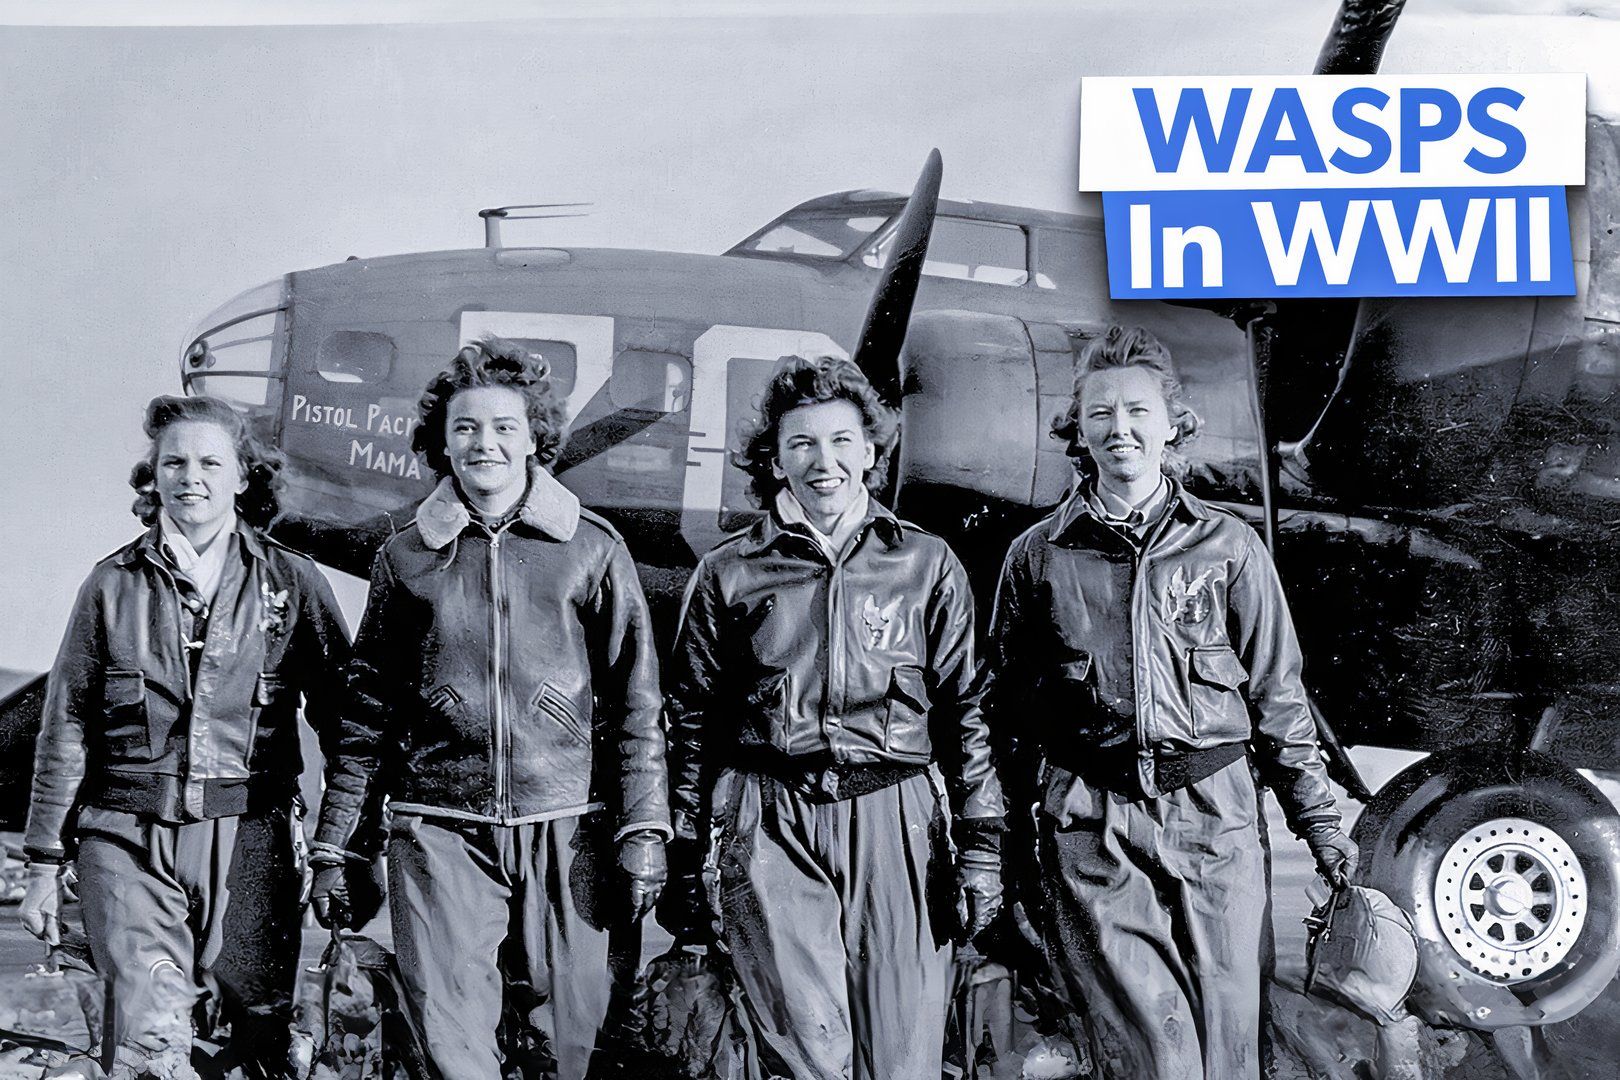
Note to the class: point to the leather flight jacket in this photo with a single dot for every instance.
(504, 676)
(834, 677)
(145, 715)
(1164, 656)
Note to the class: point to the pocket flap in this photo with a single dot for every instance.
(907, 684)
(557, 705)
(444, 698)
(123, 687)
(267, 689)
(1219, 666)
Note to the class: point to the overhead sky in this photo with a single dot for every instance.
(149, 173)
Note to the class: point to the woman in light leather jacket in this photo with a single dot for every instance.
(823, 677)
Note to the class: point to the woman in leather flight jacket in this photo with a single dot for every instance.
(168, 749)
(1141, 651)
(823, 671)
(504, 694)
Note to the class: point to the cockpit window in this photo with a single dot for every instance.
(992, 252)
(355, 356)
(819, 236)
(236, 360)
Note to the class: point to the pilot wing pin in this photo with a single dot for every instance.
(1188, 602)
(883, 630)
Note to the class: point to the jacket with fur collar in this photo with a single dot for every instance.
(504, 677)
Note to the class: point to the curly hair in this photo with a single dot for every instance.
(261, 465)
(1125, 347)
(810, 381)
(491, 361)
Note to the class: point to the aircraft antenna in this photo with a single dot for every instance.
(493, 216)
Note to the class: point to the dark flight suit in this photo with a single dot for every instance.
(170, 726)
(504, 693)
(1133, 664)
(822, 699)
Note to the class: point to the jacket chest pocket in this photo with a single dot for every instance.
(130, 733)
(1215, 677)
(905, 724)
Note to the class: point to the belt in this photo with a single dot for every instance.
(1116, 768)
(832, 782)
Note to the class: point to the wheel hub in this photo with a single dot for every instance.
(1508, 897)
(1511, 898)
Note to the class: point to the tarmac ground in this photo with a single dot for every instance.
(1312, 1038)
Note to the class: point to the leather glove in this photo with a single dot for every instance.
(330, 897)
(980, 899)
(1336, 854)
(41, 910)
(641, 857)
(683, 909)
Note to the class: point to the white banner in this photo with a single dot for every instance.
(1331, 131)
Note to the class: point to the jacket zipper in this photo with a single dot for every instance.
(497, 697)
(833, 705)
(183, 618)
(1141, 619)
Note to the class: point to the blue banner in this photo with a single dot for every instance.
(1452, 241)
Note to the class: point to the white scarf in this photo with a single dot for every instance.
(203, 569)
(835, 544)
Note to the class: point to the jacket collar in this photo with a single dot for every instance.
(548, 508)
(769, 529)
(149, 545)
(1077, 507)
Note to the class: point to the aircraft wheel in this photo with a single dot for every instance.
(1511, 873)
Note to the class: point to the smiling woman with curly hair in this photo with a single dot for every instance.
(805, 382)
(491, 362)
(823, 667)
(168, 756)
(505, 672)
(257, 504)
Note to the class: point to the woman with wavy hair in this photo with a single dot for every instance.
(1141, 656)
(168, 758)
(505, 697)
(823, 683)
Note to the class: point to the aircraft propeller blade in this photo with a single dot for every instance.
(878, 350)
(602, 435)
(1355, 45)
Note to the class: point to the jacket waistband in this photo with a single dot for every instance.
(822, 780)
(1116, 769)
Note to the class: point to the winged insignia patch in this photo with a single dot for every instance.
(1188, 602)
(883, 630)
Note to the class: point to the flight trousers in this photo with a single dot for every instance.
(825, 908)
(177, 912)
(474, 904)
(1156, 909)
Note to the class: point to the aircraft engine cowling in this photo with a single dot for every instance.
(980, 392)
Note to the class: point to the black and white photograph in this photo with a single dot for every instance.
(634, 539)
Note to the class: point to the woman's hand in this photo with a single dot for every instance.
(980, 900)
(641, 857)
(330, 896)
(41, 909)
(1336, 854)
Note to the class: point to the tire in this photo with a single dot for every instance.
(1511, 873)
